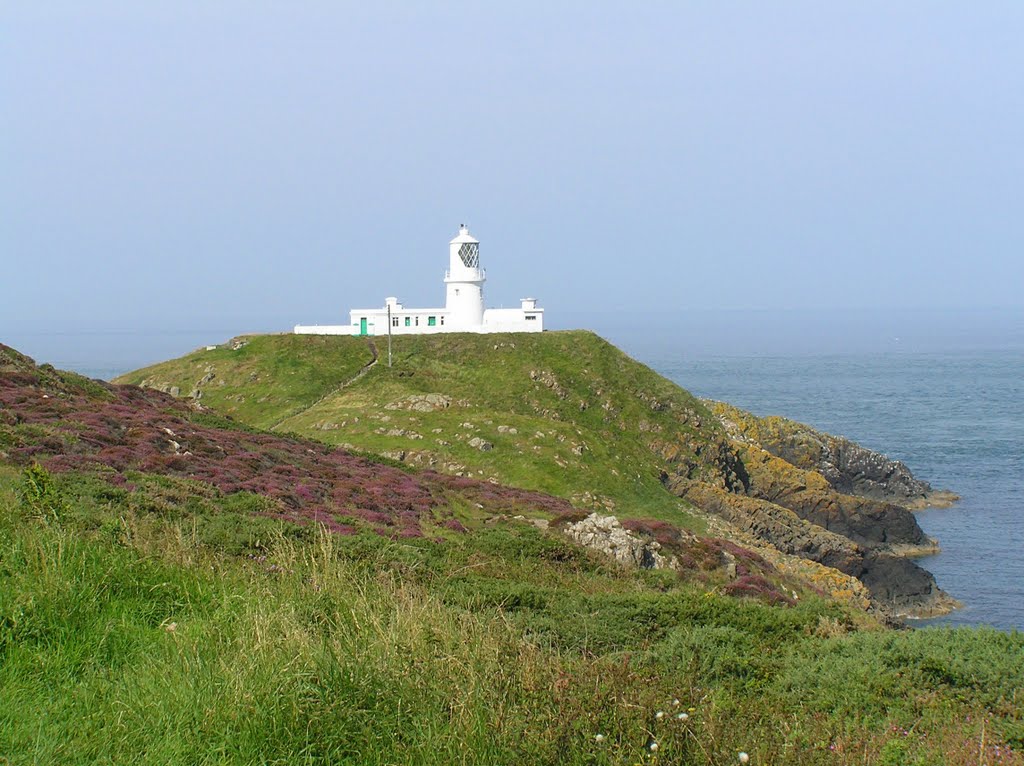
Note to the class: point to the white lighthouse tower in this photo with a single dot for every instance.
(464, 282)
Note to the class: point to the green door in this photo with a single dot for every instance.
(362, 326)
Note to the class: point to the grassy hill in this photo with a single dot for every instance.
(176, 588)
(263, 379)
(569, 414)
(565, 413)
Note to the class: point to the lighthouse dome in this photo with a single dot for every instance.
(464, 236)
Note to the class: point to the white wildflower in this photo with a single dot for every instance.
(744, 758)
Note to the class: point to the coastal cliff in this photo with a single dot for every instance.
(568, 414)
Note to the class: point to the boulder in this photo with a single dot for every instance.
(480, 444)
(421, 403)
(607, 535)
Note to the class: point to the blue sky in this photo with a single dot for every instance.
(261, 164)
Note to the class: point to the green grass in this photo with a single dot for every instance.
(263, 378)
(146, 627)
(590, 424)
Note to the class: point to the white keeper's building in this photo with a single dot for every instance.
(463, 310)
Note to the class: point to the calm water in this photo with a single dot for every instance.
(953, 414)
(957, 419)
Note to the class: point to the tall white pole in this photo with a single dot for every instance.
(389, 335)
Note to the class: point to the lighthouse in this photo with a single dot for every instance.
(464, 282)
(463, 310)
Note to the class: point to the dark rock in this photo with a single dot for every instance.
(901, 586)
(867, 522)
(851, 468)
(895, 583)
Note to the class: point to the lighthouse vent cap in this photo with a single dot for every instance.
(464, 236)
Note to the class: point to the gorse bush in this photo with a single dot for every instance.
(39, 495)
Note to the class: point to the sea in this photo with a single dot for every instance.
(941, 391)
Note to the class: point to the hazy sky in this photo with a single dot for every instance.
(273, 163)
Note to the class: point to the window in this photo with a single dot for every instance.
(531, 316)
(456, 292)
(470, 254)
(417, 321)
(442, 321)
(408, 321)
(394, 321)
(431, 321)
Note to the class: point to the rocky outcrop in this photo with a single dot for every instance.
(854, 470)
(606, 535)
(896, 584)
(809, 495)
(848, 467)
(421, 403)
(826, 499)
(774, 524)
(902, 587)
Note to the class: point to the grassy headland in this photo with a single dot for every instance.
(176, 587)
(568, 414)
(564, 413)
